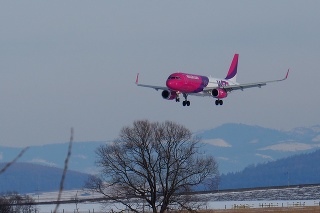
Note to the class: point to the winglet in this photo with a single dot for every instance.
(137, 79)
(287, 74)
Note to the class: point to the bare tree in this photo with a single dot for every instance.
(13, 202)
(156, 163)
(66, 163)
(5, 206)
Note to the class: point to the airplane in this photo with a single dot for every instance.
(198, 85)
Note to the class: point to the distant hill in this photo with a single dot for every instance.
(294, 170)
(234, 146)
(28, 178)
(82, 155)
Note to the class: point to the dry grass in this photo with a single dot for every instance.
(306, 209)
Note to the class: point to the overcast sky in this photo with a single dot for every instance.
(73, 64)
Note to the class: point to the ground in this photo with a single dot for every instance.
(306, 209)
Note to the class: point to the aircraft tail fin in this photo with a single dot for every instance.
(232, 74)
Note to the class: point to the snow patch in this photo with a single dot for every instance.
(290, 146)
(316, 139)
(84, 157)
(264, 156)
(43, 162)
(254, 141)
(223, 158)
(217, 142)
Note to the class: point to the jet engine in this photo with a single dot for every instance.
(219, 93)
(169, 95)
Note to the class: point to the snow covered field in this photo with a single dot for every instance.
(96, 207)
(260, 198)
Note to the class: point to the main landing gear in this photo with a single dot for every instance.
(185, 102)
(219, 102)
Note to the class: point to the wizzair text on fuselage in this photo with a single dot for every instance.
(191, 84)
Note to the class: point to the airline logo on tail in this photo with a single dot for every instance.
(222, 83)
(191, 84)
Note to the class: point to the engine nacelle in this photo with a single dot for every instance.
(169, 95)
(219, 93)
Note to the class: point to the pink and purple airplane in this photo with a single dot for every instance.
(191, 84)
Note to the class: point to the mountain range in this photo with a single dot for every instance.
(234, 146)
(293, 170)
(248, 156)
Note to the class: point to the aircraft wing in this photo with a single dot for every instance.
(249, 85)
(153, 87)
(150, 86)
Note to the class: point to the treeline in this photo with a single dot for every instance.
(13, 202)
(294, 170)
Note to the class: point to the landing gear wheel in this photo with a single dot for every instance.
(177, 99)
(186, 103)
(219, 102)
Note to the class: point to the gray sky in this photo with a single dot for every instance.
(73, 64)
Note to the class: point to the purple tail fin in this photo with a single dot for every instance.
(232, 74)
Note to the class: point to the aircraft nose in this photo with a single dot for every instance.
(171, 84)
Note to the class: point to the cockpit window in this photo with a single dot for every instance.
(174, 77)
